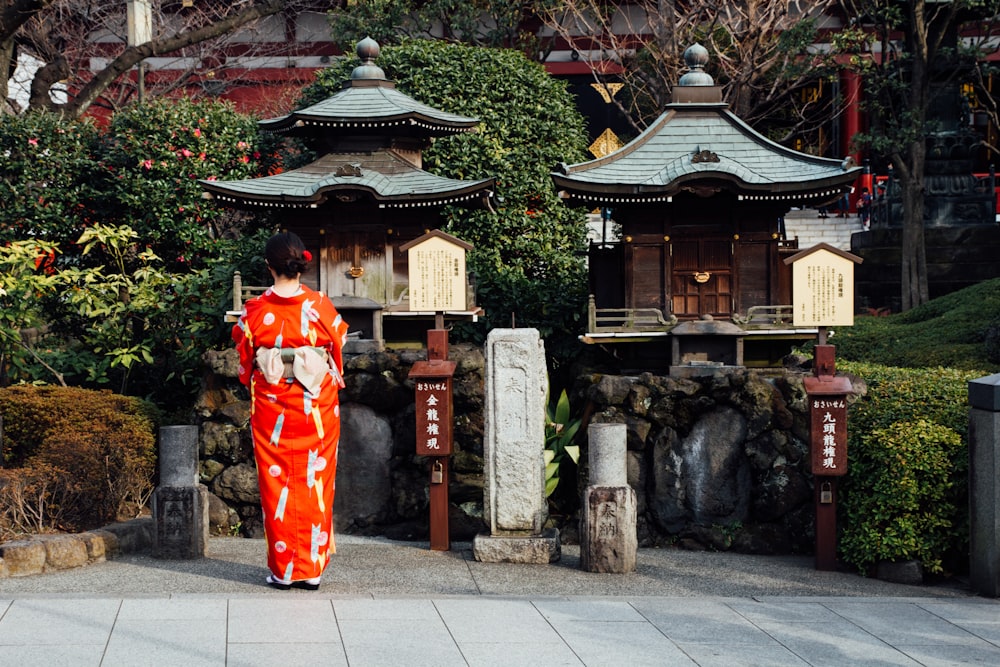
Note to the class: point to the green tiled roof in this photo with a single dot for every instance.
(371, 104)
(692, 143)
(381, 176)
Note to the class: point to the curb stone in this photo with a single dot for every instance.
(47, 553)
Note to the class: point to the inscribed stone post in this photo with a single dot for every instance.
(608, 538)
(514, 490)
(180, 504)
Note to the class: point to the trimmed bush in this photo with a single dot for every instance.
(75, 459)
(908, 512)
(905, 496)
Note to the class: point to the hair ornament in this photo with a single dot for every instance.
(306, 255)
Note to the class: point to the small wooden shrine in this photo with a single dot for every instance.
(699, 199)
(364, 198)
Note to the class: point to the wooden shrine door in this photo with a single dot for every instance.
(356, 264)
(701, 277)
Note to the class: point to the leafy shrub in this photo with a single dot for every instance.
(905, 496)
(152, 157)
(75, 459)
(907, 510)
(47, 168)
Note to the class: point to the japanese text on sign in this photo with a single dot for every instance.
(433, 405)
(437, 278)
(828, 430)
(823, 289)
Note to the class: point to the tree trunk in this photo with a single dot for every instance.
(913, 258)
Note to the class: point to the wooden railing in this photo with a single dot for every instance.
(622, 320)
(241, 294)
(765, 317)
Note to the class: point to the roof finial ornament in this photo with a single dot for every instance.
(696, 57)
(368, 50)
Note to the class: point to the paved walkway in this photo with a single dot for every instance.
(391, 603)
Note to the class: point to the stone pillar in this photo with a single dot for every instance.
(514, 503)
(984, 485)
(608, 538)
(180, 503)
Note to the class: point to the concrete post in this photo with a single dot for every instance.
(984, 485)
(180, 504)
(608, 538)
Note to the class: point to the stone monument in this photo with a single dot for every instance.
(514, 503)
(180, 503)
(608, 538)
(984, 485)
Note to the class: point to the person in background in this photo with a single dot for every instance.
(290, 341)
(865, 207)
(844, 205)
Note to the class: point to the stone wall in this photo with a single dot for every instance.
(381, 484)
(717, 462)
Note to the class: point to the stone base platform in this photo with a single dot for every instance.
(537, 549)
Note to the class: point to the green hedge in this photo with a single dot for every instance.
(906, 494)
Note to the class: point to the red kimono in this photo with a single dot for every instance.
(295, 430)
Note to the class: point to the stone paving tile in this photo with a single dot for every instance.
(942, 655)
(269, 655)
(392, 653)
(197, 642)
(505, 654)
(52, 656)
(557, 611)
(903, 623)
(482, 620)
(636, 644)
(836, 644)
(280, 621)
(362, 609)
(701, 621)
(725, 654)
(58, 622)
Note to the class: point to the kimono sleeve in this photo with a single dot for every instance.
(243, 338)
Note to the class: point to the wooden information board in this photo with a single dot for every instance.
(437, 275)
(823, 287)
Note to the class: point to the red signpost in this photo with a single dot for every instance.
(823, 296)
(432, 386)
(828, 446)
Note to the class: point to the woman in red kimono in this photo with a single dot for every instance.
(289, 341)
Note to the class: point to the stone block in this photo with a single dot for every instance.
(364, 474)
(535, 549)
(95, 545)
(23, 557)
(180, 517)
(63, 552)
(909, 572)
(132, 536)
(608, 538)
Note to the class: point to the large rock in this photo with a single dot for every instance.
(238, 483)
(703, 478)
(363, 473)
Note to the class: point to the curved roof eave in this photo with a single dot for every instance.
(370, 106)
(703, 142)
(329, 189)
